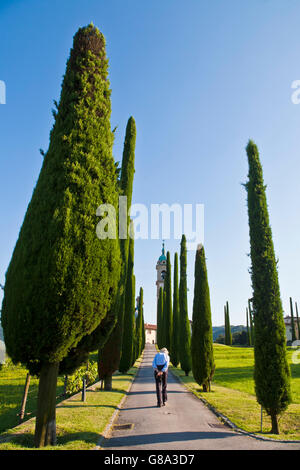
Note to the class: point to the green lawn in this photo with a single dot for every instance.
(12, 381)
(233, 392)
(79, 424)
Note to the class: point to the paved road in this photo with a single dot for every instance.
(184, 424)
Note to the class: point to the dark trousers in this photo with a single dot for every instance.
(161, 387)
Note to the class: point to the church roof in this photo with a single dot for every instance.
(162, 256)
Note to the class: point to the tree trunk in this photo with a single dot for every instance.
(275, 427)
(27, 383)
(204, 385)
(45, 428)
(108, 383)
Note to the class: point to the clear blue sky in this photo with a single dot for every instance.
(200, 79)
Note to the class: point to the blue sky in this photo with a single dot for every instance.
(200, 79)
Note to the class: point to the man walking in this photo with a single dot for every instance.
(160, 365)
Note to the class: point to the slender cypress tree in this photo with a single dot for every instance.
(128, 330)
(139, 325)
(271, 372)
(112, 349)
(168, 317)
(184, 329)
(62, 279)
(163, 331)
(292, 321)
(226, 341)
(134, 333)
(251, 323)
(248, 329)
(203, 365)
(160, 317)
(175, 338)
(229, 335)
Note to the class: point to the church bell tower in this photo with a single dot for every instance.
(161, 268)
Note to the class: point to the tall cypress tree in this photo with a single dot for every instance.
(159, 322)
(175, 338)
(292, 321)
(134, 333)
(203, 365)
(163, 329)
(229, 335)
(184, 329)
(128, 330)
(168, 316)
(226, 340)
(271, 372)
(248, 329)
(139, 325)
(251, 323)
(109, 355)
(62, 279)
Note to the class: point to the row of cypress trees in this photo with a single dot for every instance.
(67, 292)
(267, 329)
(193, 351)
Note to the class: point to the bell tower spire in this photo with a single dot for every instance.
(161, 267)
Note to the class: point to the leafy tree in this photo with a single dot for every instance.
(184, 329)
(271, 372)
(62, 280)
(203, 365)
(175, 338)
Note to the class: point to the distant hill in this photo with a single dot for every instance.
(220, 330)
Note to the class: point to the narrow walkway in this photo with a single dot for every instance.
(185, 423)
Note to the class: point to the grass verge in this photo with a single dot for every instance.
(233, 393)
(79, 424)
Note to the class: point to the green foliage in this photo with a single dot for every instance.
(202, 339)
(292, 321)
(128, 330)
(272, 373)
(160, 317)
(74, 382)
(112, 349)
(228, 335)
(184, 328)
(139, 325)
(168, 314)
(62, 279)
(175, 339)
